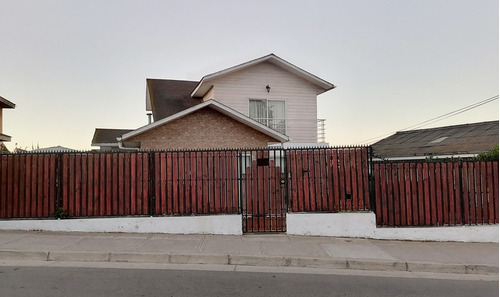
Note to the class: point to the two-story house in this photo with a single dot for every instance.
(266, 101)
(4, 103)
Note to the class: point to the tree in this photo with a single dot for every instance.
(491, 155)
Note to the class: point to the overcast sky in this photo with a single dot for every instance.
(72, 66)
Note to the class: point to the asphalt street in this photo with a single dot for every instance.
(88, 281)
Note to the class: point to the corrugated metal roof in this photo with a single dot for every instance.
(169, 97)
(449, 140)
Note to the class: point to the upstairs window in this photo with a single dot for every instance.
(269, 112)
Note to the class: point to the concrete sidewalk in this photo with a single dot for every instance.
(252, 250)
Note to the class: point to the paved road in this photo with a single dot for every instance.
(79, 281)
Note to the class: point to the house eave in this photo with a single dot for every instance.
(4, 103)
(204, 84)
(5, 138)
(216, 106)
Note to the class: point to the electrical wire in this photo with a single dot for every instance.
(437, 119)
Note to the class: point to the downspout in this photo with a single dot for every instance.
(121, 147)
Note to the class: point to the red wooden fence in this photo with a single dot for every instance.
(328, 180)
(436, 194)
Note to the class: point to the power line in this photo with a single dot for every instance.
(438, 118)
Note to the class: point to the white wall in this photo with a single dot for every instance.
(236, 89)
(216, 224)
(364, 225)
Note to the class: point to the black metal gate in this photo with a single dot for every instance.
(263, 190)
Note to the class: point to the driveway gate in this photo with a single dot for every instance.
(263, 190)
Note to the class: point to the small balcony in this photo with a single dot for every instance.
(280, 125)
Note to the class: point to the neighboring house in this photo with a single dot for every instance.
(458, 141)
(266, 101)
(53, 149)
(106, 139)
(4, 103)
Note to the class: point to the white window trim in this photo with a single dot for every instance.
(267, 118)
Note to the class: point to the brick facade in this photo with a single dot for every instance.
(203, 129)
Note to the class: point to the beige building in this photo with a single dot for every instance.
(263, 102)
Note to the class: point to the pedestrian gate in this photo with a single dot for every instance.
(263, 190)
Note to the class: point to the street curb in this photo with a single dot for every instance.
(24, 255)
(78, 256)
(249, 260)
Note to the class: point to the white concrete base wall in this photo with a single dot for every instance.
(331, 224)
(216, 224)
(364, 225)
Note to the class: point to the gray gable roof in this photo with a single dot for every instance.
(445, 141)
(168, 97)
(107, 136)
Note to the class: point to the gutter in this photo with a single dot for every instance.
(121, 147)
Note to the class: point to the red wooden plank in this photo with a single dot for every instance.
(445, 183)
(329, 180)
(175, 183)
(414, 195)
(216, 182)
(145, 184)
(491, 202)
(292, 160)
(355, 170)
(90, 184)
(102, 185)
(3, 186)
(465, 194)
(451, 193)
(235, 175)
(109, 185)
(426, 187)
(407, 194)
(163, 184)
(366, 183)
(483, 198)
(157, 184)
(83, 188)
(187, 183)
(78, 184)
(22, 186)
(133, 184)
(439, 195)
(348, 178)
(299, 182)
(46, 186)
(206, 184)
(396, 203)
(342, 180)
(27, 185)
(495, 190)
(311, 181)
(402, 195)
(39, 187)
(112, 200)
(432, 192)
(457, 173)
(199, 182)
(472, 192)
(181, 184)
(379, 181)
(336, 180)
(15, 186)
(96, 206)
(121, 184)
(387, 203)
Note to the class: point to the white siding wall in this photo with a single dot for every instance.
(235, 89)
